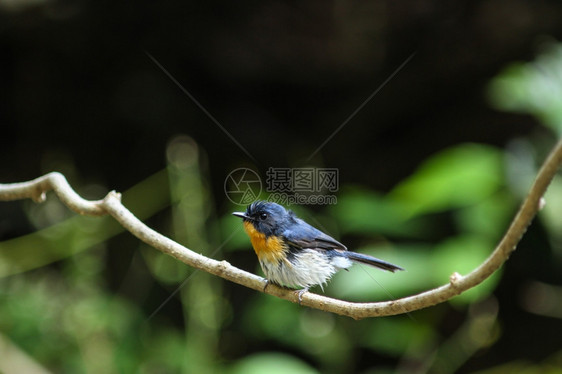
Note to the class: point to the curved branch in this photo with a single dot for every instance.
(37, 188)
(111, 205)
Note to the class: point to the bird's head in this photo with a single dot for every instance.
(266, 217)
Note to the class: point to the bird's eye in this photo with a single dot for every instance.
(263, 216)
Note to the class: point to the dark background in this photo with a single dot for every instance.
(279, 76)
(78, 88)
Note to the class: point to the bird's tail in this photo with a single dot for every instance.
(369, 260)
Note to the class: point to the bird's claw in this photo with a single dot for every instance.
(300, 293)
(266, 284)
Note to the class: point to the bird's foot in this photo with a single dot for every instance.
(302, 292)
(266, 284)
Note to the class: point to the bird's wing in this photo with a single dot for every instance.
(306, 236)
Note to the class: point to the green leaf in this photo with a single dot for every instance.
(274, 318)
(397, 335)
(454, 178)
(534, 88)
(363, 211)
(489, 218)
(271, 363)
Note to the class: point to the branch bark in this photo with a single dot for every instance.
(111, 204)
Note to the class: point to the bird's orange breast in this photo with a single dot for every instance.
(271, 249)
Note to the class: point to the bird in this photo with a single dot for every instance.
(294, 254)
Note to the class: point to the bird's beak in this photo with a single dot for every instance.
(241, 215)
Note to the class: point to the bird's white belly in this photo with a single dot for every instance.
(308, 268)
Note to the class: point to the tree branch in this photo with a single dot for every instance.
(111, 205)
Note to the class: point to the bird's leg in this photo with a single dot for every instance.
(302, 292)
(266, 284)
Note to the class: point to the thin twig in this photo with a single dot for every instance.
(458, 284)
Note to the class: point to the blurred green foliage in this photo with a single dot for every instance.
(533, 87)
(105, 333)
(445, 217)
